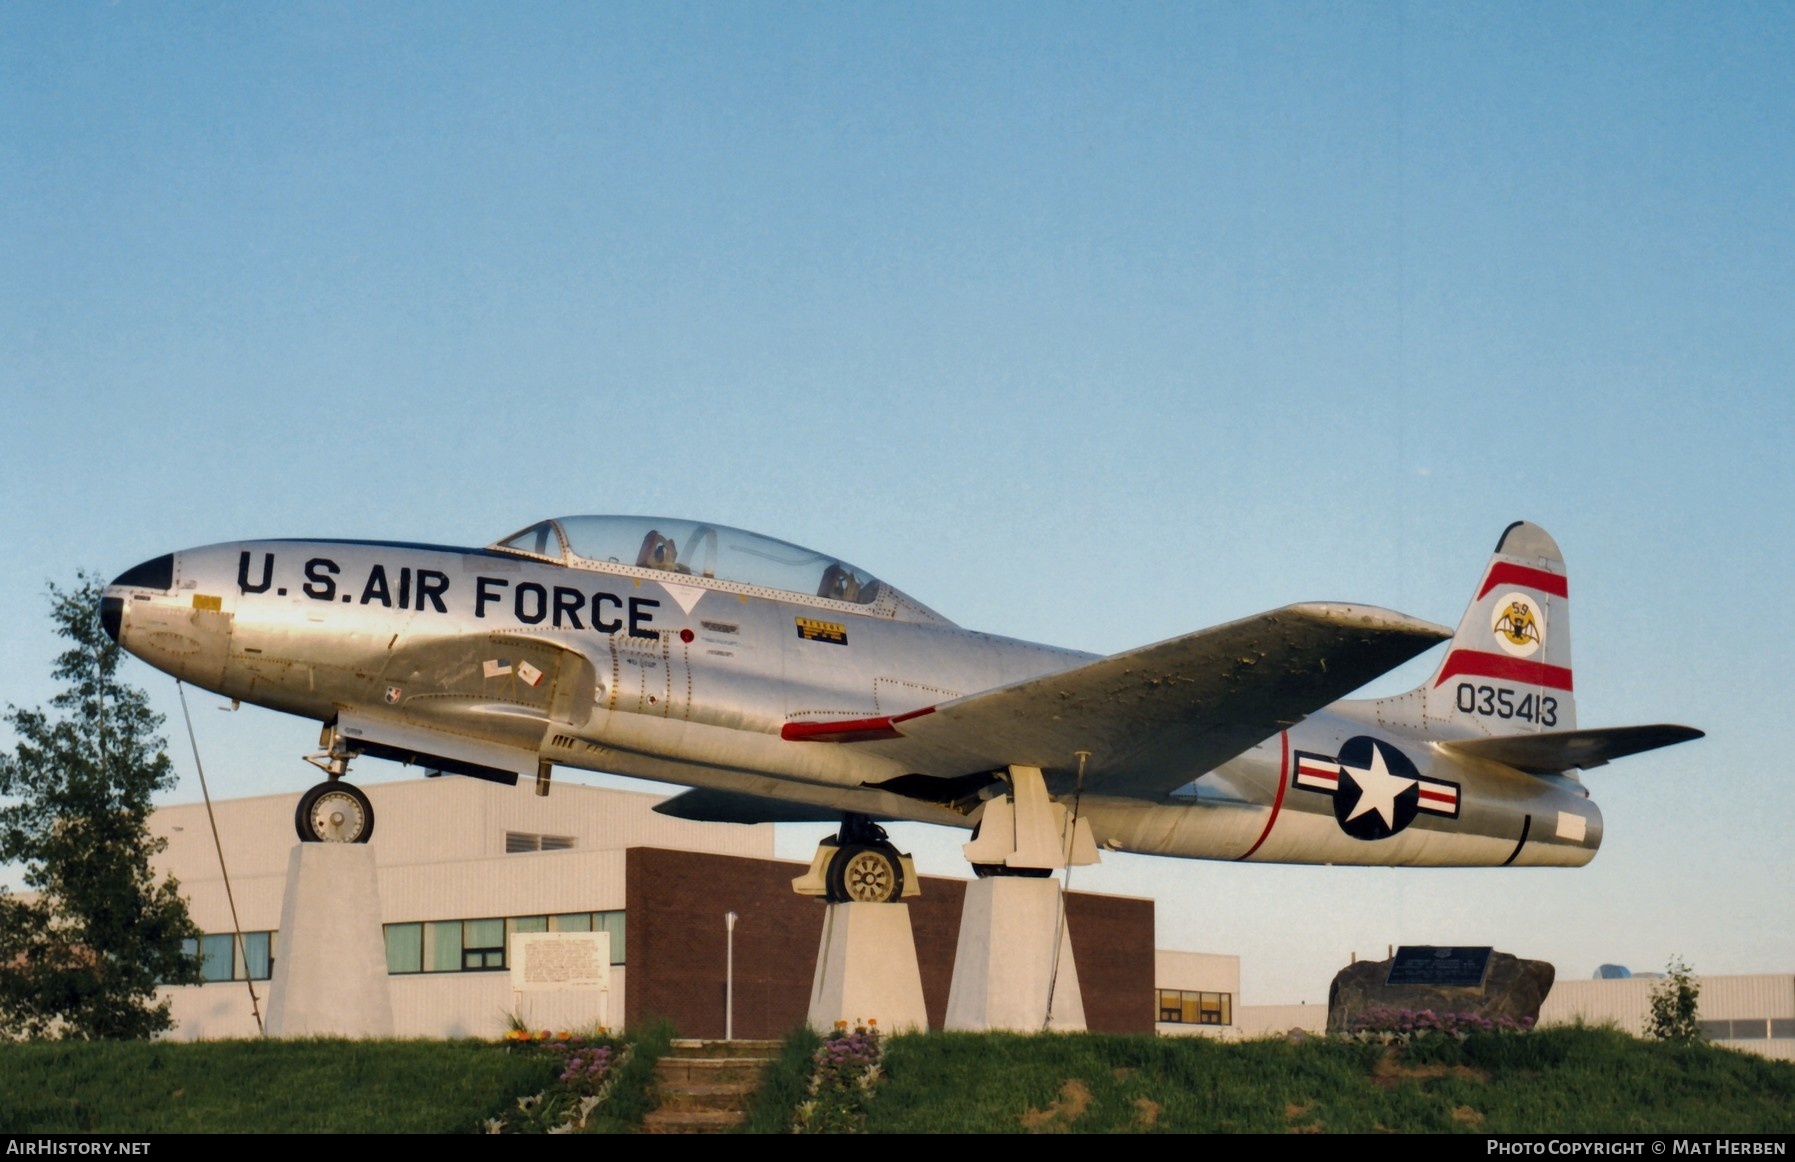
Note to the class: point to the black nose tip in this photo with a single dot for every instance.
(112, 615)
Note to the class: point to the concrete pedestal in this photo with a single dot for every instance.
(1004, 963)
(866, 970)
(330, 964)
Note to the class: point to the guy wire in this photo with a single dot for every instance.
(255, 1007)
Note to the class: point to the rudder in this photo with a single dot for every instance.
(1508, 668)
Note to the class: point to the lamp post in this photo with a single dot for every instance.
(729, 979)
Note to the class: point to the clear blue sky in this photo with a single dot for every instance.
(1084, 324)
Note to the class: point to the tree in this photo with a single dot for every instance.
(82, 959)
(1674, 1003)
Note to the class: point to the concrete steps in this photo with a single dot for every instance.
(703, 1087)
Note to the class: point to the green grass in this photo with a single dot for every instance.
(262, 1086)
(1558, 1080)
(633, 1095)
(786, 1083)
(1564, 1080)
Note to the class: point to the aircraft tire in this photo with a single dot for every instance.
(334, 812)
(866, 873)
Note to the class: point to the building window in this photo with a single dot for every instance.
(404, 948)
(222, 958)
(483, 945)
(1183, 1007)
(1752, 1029)
(522, 841)
(216, 961)
(480, 945)
(611, 922)
(442, 946)
(258, 955)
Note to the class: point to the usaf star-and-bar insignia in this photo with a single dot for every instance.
(1377, 791)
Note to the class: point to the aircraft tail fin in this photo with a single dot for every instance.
(1507, 670)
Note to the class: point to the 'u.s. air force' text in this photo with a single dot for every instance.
(427, 590)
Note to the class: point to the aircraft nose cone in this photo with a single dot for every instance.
(158, 573)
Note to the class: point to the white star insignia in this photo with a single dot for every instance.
(1378, 788)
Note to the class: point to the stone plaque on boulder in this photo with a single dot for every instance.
(1511, 987)
(1429, 964)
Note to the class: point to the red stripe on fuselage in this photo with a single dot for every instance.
(844, 730)
(1509, 573)
(850, 729)
(1477, 664)
(1278, 803)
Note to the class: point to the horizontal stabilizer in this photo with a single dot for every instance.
(1561, 750)
(705, 805)
(1155, 718)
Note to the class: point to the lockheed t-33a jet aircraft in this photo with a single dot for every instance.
(781, 684)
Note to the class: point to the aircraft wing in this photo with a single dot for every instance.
(1157, 717)
(1560, 750)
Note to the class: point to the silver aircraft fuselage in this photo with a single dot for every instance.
(499, 660)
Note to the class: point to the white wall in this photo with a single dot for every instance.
(1205, 972)
(1628, 1003)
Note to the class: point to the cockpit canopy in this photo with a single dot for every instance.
(694, 549)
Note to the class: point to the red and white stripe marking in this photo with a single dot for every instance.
(1317, 774)
(1440, 798)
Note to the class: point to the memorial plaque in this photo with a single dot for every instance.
(1474, 981)
(1427, 965)
(560, 960)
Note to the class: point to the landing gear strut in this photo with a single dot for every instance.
(858, 865)
(333, 811)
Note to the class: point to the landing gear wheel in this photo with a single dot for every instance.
(866, 873)
(334, 812)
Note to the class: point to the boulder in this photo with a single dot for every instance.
(1512, 988)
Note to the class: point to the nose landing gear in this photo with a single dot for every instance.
(333, 811)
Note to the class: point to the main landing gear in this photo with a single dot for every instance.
(334, 811)
(858, 865)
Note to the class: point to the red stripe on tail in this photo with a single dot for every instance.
(1476, 663)
(1509, 573)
